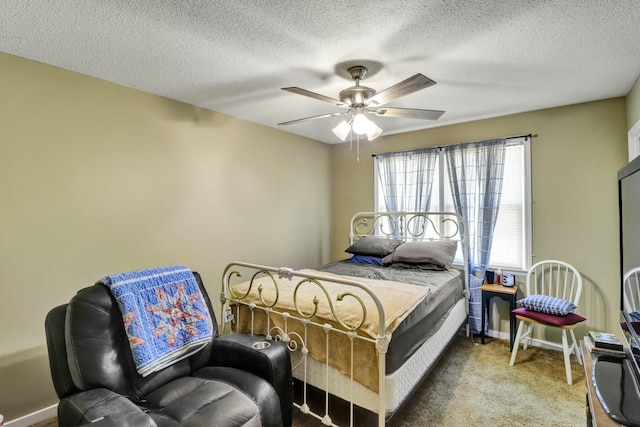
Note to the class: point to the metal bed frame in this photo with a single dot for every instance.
(408, 226)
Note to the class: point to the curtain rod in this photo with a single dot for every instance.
(529, 135)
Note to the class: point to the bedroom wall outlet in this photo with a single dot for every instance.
(228, 316)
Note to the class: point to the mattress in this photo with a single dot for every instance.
(446, 289)
(399, 384)
(416, 303)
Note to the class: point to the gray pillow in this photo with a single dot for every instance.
(408, 266)
(438, 252)
(374, 246)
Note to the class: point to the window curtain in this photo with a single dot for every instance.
(475, 173)
(406, 180)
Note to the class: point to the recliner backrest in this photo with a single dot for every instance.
(54, 330)
(98, 351)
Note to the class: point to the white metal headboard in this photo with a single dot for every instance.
(415, 226)
(409, 226)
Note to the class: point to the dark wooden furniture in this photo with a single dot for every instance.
(596, 415)
(506, 293)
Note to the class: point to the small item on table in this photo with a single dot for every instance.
(605, 340)
(508, 280)
(490, 277)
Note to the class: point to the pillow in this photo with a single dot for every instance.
(366, 259)
(437, 252)
(431, 267)
(549, 319)
(547, 304)
(374, 246)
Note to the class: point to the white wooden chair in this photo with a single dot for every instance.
(631, 289)
(560, 280)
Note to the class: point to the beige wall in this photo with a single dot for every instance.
(575, 157)
(633, 104)
(97, 179)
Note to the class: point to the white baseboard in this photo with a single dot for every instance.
(498, 334)
(34, 417)
(505, 336)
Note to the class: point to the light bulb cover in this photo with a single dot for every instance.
(342, 130)
(374, 131)
(360, 124)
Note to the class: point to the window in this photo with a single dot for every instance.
(634, 141)
(397, 189)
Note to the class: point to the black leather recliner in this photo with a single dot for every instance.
(228, 383)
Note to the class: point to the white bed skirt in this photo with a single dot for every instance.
(399, 384)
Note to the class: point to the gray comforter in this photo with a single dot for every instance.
(446, 289)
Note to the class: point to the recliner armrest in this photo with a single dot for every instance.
(87, 406)
(273, 363)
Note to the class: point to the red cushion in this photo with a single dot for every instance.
(634, 325)
(549, 319)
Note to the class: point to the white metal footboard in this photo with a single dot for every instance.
(253, 302)
(296, 341)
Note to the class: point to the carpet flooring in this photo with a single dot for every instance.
(473, 385)
(48, 423)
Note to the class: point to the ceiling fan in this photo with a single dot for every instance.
(361, 100)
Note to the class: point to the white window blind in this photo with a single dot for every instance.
(508, 248)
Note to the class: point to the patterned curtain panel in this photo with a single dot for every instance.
(406, 180)
(475, 173)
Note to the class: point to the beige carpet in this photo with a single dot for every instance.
(48, 423)
(473, 385)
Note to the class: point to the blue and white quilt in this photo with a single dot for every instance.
(165, 315)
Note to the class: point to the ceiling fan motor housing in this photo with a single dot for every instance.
(357, 95)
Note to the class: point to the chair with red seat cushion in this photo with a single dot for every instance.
(631, 289)
(553, 291)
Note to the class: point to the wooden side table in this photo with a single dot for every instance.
(506, 293)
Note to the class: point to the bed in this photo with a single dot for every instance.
(368, 328)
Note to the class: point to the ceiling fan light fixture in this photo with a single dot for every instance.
(358, 100)
(360, 124)
(374, 131)
(342, 130)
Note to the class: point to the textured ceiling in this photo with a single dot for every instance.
(489, 58)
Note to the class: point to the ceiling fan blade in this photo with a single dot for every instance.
(404, 88)
(321, 116)
(408, 113)
(317, 96)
